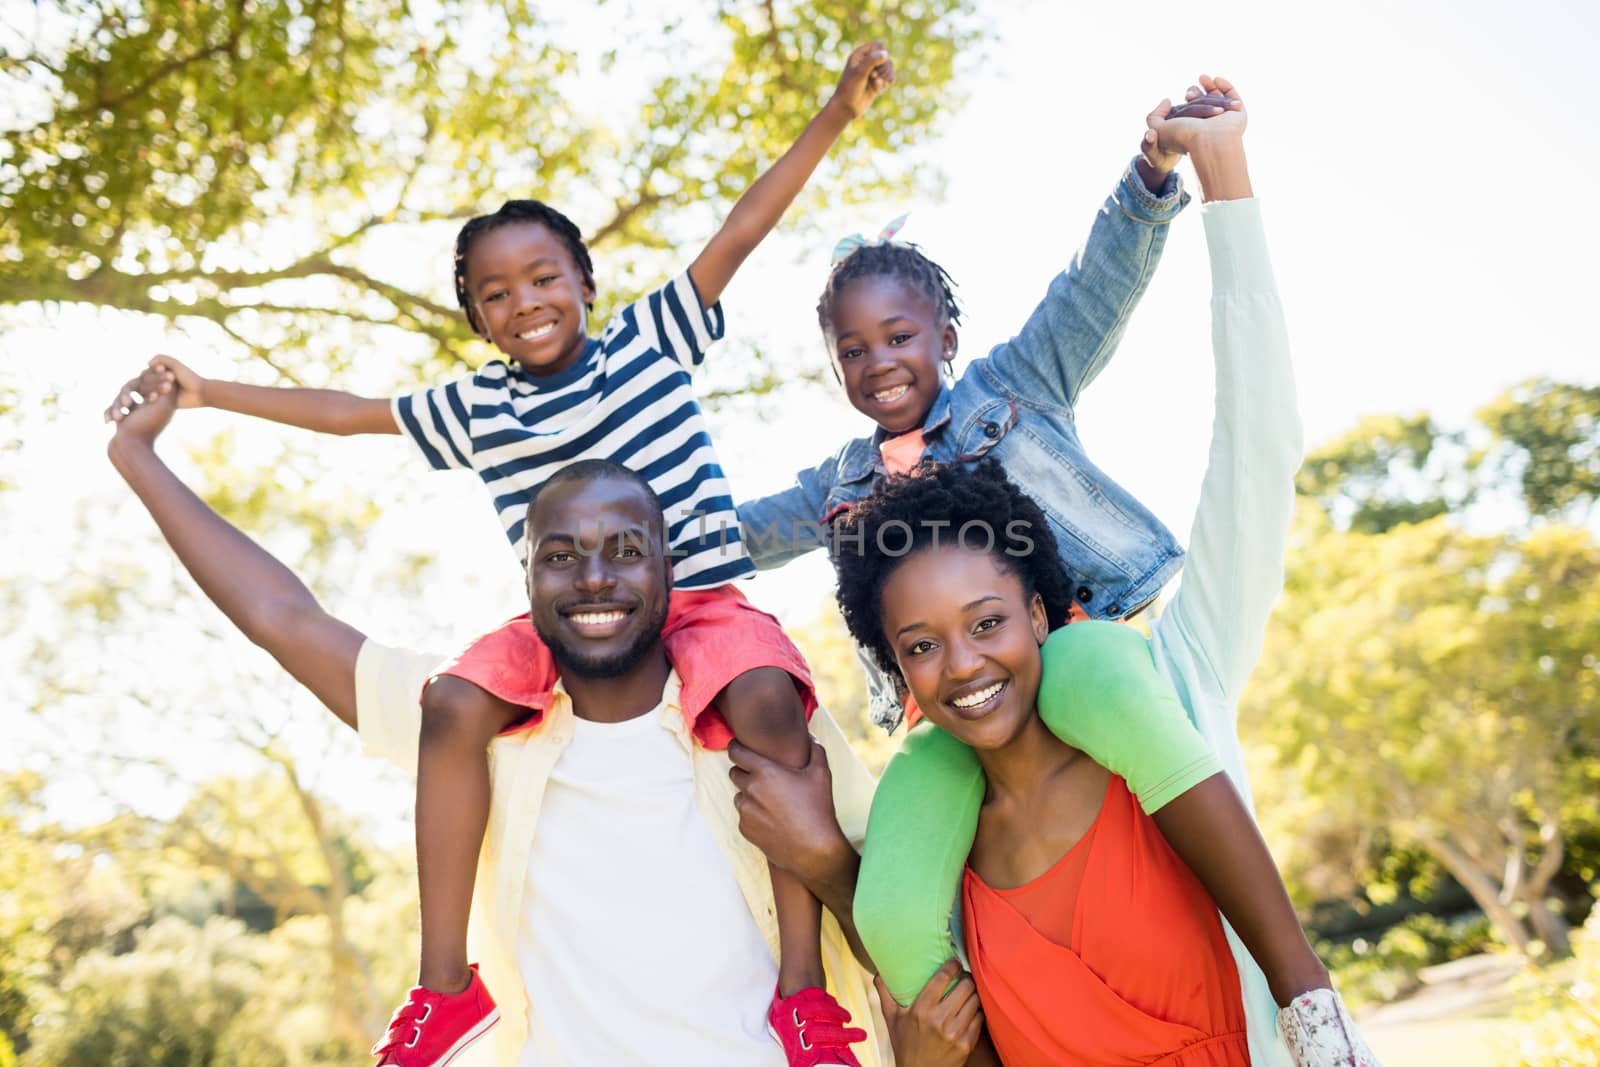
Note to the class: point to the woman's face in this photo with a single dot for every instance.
(966, 637)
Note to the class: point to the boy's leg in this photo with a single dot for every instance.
(458, 722)
(923, 822)
(766, 714)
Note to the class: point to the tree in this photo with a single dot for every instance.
(1536, 445)
(1444, 685)
(254, 165)
(186, 996)
(1547, 444)
(1378, 474)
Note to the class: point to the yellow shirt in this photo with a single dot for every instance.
(389, 719)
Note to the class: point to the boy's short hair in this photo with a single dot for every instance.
(534, 211)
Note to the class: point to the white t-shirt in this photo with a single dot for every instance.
(635, 944)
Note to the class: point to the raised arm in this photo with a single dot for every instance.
(257, 593)
(1234, 572)
(1075, 329)
(322, 410)
(867, 72)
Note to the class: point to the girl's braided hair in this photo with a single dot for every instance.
(934, 504)
(896, 259)
(535, 211)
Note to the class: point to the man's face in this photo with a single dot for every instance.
(598, 575)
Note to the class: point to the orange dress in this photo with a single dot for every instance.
(1113, 957)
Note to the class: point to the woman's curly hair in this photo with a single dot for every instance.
(975, 506)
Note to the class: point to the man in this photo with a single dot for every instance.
(632, 915)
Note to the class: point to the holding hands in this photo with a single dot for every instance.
(1209, 128)
(1211, 111)
(142, 409)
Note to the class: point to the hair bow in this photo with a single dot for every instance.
(854, 241)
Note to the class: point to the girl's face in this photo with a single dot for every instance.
(530, 296)
(966, 638)
(888, 341)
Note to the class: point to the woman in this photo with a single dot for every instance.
(1091, 890)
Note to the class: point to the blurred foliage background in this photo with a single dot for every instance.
(1424, 727)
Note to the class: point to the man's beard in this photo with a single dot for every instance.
(582, 664)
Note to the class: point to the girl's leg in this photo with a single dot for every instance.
(458, 722)
(923, 822)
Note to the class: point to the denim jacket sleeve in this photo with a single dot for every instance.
(1236, 548)
(786, 525)
(1071, 335)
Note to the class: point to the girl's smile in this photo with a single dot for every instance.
(888, 342)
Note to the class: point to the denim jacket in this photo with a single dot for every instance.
(1016, 404)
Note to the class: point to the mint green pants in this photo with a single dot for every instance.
(1101, 694)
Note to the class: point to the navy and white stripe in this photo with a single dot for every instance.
(629, 399)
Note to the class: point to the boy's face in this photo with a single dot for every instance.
(598, 575)
(966, 638)
(530, 296)
(888, 341)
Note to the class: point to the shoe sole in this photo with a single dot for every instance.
(485, 1024)
(779, 1040)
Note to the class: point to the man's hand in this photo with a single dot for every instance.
(868, 72)
(143, 407)
(788, 814)
(191, 387)
(1178, 131)
(936, 1030)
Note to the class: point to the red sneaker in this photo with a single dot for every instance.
(810, 1027)
(430, 1029)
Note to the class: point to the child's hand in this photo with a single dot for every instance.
(143, 407)
(1212, 112)
(868, 72)
(190, 386)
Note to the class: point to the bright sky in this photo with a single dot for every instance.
(1425, 168)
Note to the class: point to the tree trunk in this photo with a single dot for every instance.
(1552, 928)
(1548, 922)
(1485, 892)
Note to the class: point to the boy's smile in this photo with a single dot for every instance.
(530, 296)
(888, 342)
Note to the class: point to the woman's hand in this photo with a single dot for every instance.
(938, 1029)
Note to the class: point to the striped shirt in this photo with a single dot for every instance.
(629, 399)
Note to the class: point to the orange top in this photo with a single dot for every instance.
(902, 453)
(1113, 957)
